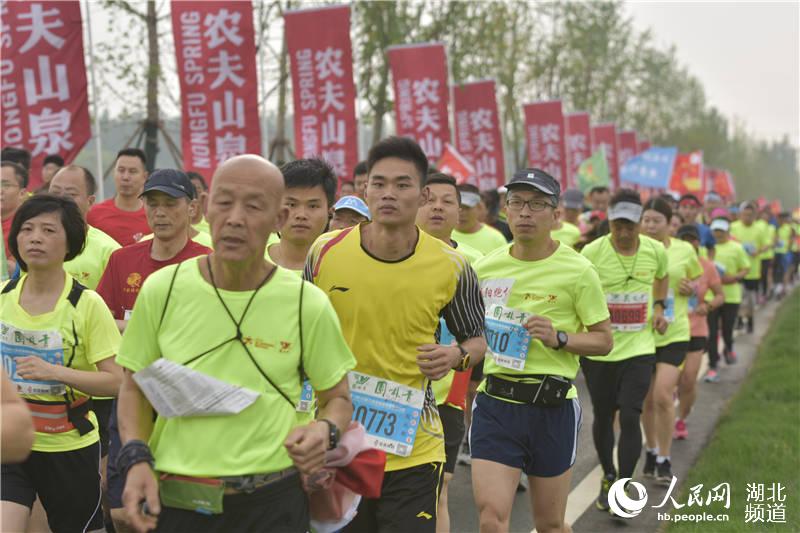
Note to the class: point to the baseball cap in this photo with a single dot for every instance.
(572, 199)
(538, 179)
(625, 210)
(689, 199)
(469, 198)
(170, 181)
(720, 224)
(719, 212)
(353, 203)
(689, 230)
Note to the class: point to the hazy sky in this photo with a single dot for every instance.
(747, 55)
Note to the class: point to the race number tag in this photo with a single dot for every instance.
(496, 291)
(669, 310)
(46, 345)
(389, 411)
(306, 398)
(507, 337)
(628, 310)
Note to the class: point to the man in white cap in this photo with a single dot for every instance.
(349, 211)
(470, 229)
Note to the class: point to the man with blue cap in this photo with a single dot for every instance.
(349, 211)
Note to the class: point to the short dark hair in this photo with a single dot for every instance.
(403, 148)
(20, 172)
(88, 177)
(360, 168)
(492, 200)
(199, 177)
(54, 158)
(626, 195)
(308, 173)
(71, 219)
(132, 152)
(660, 205)
(440, 178)
(17, 155)
(598, 188)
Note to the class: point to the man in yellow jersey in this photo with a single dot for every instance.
(767, 258)
(544, 308)
(389, 283)
(470, 230)
(77, 182)
(598, 198)
(633, 271)
(237, 318)
(566, 229)
(754, 237)
(309, 196)
(784, 239)
(438, 217)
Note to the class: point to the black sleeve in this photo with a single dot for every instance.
(464, 314)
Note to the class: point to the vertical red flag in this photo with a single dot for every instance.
(325, 125)
(477, 127)
(421, 95)
(45, 104)
(627, 146)
(544, 131)
(216, 53)
(687, 177)
(605, 135)
(579, 143)
(642, 144)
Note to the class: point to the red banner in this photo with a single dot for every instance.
(720, 182)
(478, 138)
(324, 93)
(687, 177)
(626, 146)
(579, 143)
(45, 104)
(216, 53)
(544, 131)
(605, 135)
(421, 95)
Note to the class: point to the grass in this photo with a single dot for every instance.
(757, 439)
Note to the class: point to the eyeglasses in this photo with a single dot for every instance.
(516, 204)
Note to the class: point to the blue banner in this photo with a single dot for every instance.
(651, 168)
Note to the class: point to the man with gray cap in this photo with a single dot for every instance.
(470, 230)
(566, 229)
(633, 271)
(544, 309)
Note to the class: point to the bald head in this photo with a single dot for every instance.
(250, 168)
(75, 182)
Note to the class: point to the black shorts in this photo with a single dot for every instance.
(67, 483)
(477, 373)
(408, 502)
(672, 354)
(619, 384)
(102, 409)
(454, 429)
(114, 480)
(751, 284)
(698, 344)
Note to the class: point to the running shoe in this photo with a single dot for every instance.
(664, 472)
(711, 376)
(649, 469)
(681, 433)
(605, 486)
(730, 356)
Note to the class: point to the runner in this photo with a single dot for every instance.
(237, 318)
(122, 217)
(201, 190)
(767, 258)
(349, 211)
(658, 414)
(360, 179)
(347, 189)
(706, 296)
(733, 264)
(13, 191)
(389, 283)
(470, 229)
(633, 271)
(78, 183)
(675, 222)
(495, 217)
(51, 164)
(309, 196)
(438, 217)
(690, 208)
(545, 307)
(783, 253)
(599, 197)
(67, 355)
(753, 236)
(566, 229)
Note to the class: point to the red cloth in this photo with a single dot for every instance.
(458, 390)
(364, 475)
(125, 227)
(127, 269)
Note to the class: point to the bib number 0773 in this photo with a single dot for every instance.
(375, 420)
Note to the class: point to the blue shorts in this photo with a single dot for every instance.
(540, 441)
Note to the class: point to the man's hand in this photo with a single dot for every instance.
(307, 446)
(702, 309)
(686, 287)
(436, 361)
(141, 486)
(542, 328)
(37, 368)
(660, 323)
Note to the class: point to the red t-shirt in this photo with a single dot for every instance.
(699, 323)
(127, 269)
(125, 227)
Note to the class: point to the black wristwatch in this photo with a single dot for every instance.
(563, 339)
(662, 303)
(333, 433)
(463, 364)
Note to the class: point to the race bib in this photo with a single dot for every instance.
(46, 345)
(496, 291)
(306, 402)
(507, 337)
(628, 310)
(389, 411)
(669, 310)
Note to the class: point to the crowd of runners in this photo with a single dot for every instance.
(450, 322)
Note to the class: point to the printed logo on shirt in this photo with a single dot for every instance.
(134, 283)
(285, 346)
(547, 298)
(258, 343)
(138, 236)
(337, 288)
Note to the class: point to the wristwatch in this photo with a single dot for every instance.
(333, 433)
(464, 363)
(662, 303)
(563, 339)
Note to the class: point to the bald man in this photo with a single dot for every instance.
(213, 311)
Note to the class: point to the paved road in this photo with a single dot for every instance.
(711, 402)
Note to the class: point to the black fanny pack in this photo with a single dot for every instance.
(551, 391)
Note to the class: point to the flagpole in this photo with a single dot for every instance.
(264, 107)
(95, 101)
